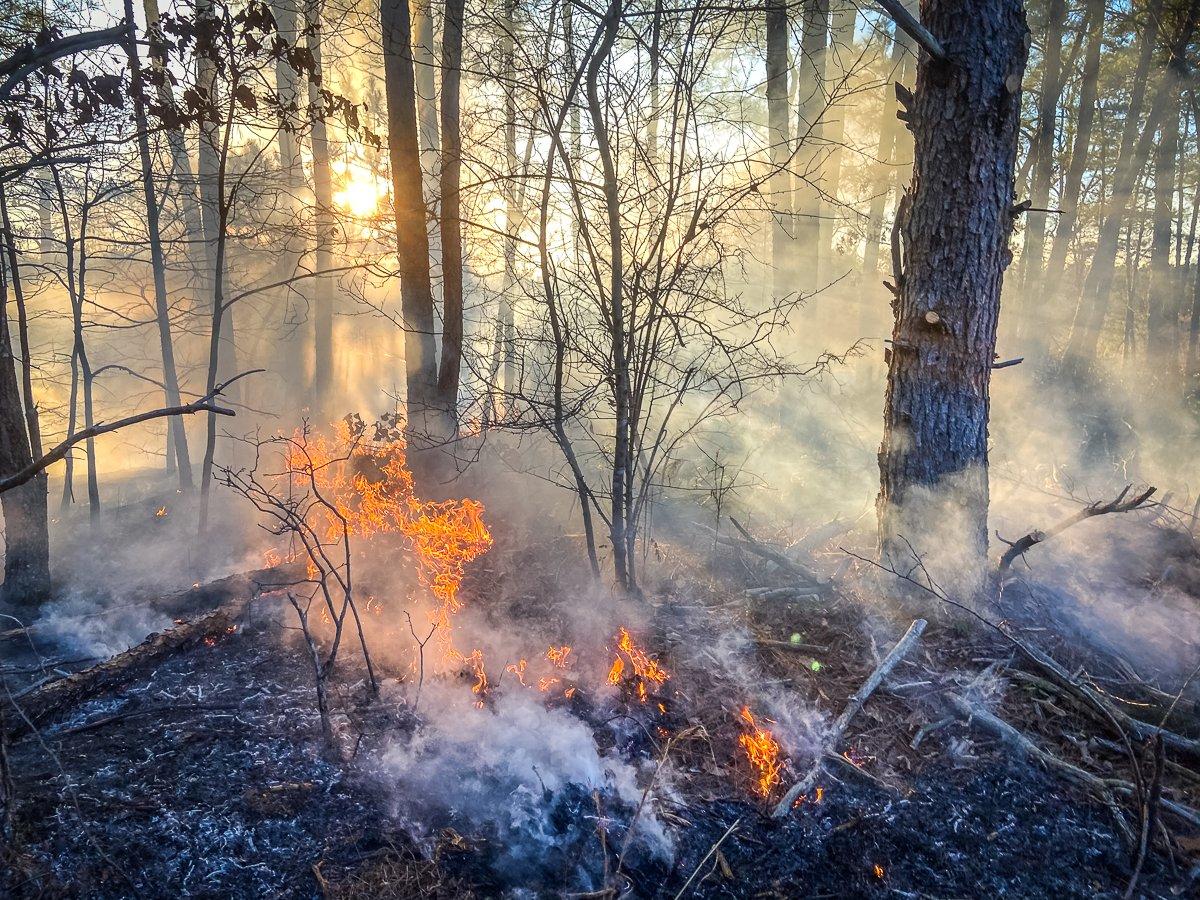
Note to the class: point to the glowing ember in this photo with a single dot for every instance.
(879, 871)
(646, 672)
(558, 656)
(762, 750)
(161, 512)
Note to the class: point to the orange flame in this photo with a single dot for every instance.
(649, 674)
(371, 490)
(161, 512)
(762, 750)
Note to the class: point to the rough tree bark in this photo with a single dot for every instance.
(26, 522)
(779, 141)
(412, 236)
(965, 118)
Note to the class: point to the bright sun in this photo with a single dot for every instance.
(360, 188)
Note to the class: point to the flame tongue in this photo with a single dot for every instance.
(762, 750)
(645, 675)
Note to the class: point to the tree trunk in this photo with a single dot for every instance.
(412, 237)
(181, 163)
(891, 131)
(323, 218)
(1042, 146)
(1093, 305)
(26, 522)
(452, 239)
(779, 144)
(810, 114)
(966, 115)
(1080, 151)
(158, 266)
(619, 523)
(841, 37)
(1162, 317)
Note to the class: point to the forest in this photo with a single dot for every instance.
(599, 448)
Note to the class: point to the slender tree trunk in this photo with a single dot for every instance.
(425, 64)
(452, 238)
(181, 163)
(1072, 190)
(1162, 315)
(843, 17)
(1093, 305)
(779, 144)
(158, 266)
(323, 217)
(622, 452)
(32, 422)
(810, 114)
(1042, 146)
(966, 115)
(412, 237)
(26, 520)
(887, 172)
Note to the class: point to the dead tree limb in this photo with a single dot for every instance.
(207, 403)
(898, 652)
(909, 24)
(29, 59)
(1017, 548)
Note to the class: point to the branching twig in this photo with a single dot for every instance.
(1119, 505)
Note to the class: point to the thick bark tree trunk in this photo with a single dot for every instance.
(778, 139)
(26, 522)
(412, 236)
(966, 114)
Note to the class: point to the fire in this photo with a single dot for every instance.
(649, 674)
(878, 870)
(762, 750)
(161, 512)
(371, 489)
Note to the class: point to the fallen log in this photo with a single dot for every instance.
(189, 601)
(805, 784)
(42, 704)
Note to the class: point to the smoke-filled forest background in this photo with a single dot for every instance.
(511, 327)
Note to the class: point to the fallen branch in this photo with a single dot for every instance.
(898, 652)
(758, 548)
(1015, 740)
(1119, 505)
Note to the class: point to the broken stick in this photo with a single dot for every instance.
(805, 784)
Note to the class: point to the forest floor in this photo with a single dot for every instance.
(204, 775)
